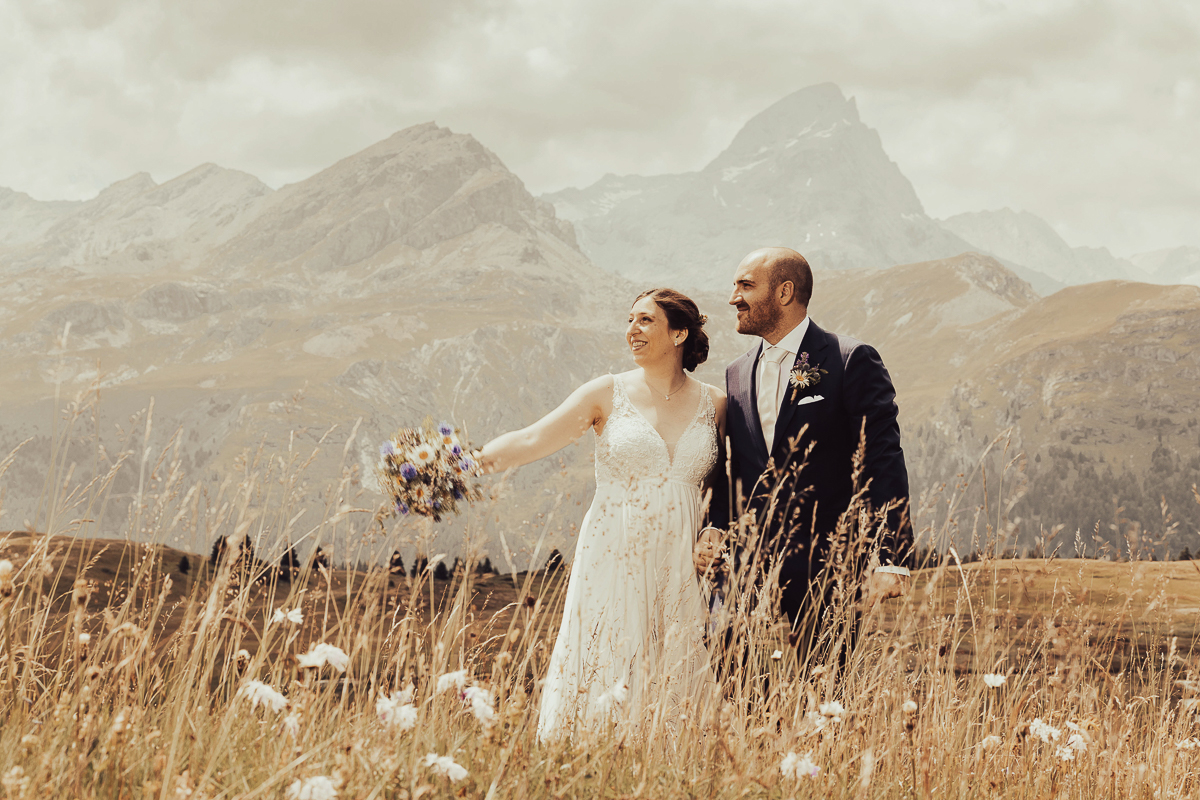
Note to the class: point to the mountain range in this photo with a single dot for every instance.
(809, 174)
(419, 278)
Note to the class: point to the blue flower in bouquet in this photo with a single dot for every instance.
(458, 495)
(456, 449)
(466, 465)
(408, 471)
(401, 509)
(436, 505)
(387, 449)
(445, 429)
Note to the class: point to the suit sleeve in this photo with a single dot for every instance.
(871, 403)
(718, 506)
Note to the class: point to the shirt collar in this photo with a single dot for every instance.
(794, 338)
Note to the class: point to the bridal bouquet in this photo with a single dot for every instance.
(427, 471)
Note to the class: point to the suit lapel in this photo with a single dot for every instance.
(748, 398)
(815, 343)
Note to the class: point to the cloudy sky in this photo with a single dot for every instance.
(1086, 112)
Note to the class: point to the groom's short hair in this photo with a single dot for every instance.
(791, 266)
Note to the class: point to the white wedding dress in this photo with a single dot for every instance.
(631, 647)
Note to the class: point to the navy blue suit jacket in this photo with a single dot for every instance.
(857, 398)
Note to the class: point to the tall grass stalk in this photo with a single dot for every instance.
(140, 683)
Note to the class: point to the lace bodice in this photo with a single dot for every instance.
(630, 449)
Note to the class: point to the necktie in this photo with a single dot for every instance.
(768, 391)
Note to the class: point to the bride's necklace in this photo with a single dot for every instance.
(672, 393)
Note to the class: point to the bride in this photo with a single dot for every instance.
(631, 644)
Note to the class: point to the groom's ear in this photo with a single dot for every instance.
(785, 293)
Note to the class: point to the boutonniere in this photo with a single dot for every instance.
(805, 375)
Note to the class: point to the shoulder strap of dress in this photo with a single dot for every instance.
(619, 396)
(710, 408)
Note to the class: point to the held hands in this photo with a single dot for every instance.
(881, 586)
(709, 553)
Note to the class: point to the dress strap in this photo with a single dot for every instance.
(619, 397)
(708, 409)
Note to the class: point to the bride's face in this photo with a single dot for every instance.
(648, 334)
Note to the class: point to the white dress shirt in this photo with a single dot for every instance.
(791, 344)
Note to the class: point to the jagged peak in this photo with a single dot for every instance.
(814, 110)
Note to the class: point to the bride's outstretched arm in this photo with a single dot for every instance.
(587, 405)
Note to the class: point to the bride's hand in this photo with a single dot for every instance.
(487, 464)
(709, 553)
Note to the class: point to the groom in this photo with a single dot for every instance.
(803, 395)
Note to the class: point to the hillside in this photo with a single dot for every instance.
(421, 253)
(1125, 605)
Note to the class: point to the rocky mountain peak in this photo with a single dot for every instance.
(421, 186)
(819, 111)
(806, 173)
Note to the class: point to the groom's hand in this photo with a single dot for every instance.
(709, 553)
(882, 586)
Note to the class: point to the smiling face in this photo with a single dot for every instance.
(758, 310)
(649, 336)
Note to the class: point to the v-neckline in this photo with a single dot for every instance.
(650, 425)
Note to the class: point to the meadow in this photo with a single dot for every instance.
(123, 676)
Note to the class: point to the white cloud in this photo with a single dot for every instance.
(1083, 112)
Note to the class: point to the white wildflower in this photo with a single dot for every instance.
(1046, 732)
(318, 788)
(15, 781)
(909, 707)
(1188, 744)
(777, 655)
(1064, 753)
(84, 638)
(396, 712)
(797, 766)
(482, 703)
(617, 694)
(295, 616)
(995, 681)
(320, 655)
(452, 680)
(816, 720)
(445, 766)
(991, 741)
(260, 693)
(422, 455)
(291, 725)
(833, 709)
(1076, 742)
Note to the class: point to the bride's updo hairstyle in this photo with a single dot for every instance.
(683, 315)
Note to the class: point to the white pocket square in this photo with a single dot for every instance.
(810, 399)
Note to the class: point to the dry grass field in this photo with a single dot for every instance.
(121, 677)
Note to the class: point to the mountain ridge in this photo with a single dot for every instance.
(419, 278)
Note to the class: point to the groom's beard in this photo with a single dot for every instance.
(759, 321)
